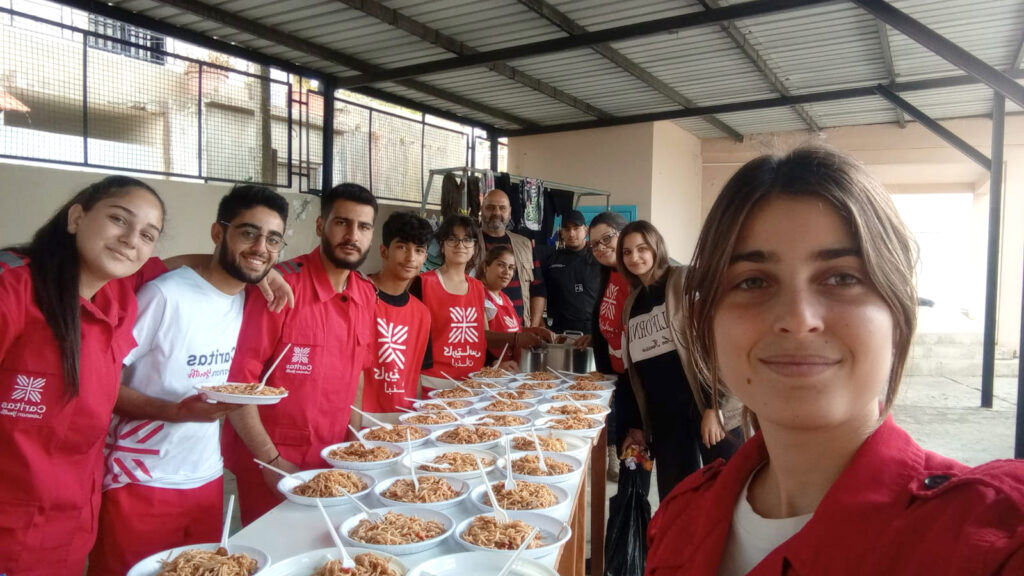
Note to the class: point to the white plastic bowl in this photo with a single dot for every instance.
(428, 454)
(478, 496)
(586, 432)
(436, 438)
(460, 486)
(476, 395)
(415, 441)
(288, 483)
(549, 532)
(485, 405)
(307, 563)
(151, 566)
(399, 549)
(419, 406)
(404, 419)
(353, 465)
(575, 445)
(573, 461)
(476, 420)
(601, 409)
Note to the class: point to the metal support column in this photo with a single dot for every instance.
(327, 155)
(995, 200)
(494, 151)
(1018, 447)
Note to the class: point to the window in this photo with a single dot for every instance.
(137, 43)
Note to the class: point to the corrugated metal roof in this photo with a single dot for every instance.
(826, 47)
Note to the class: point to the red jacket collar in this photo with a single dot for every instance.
(324, 287)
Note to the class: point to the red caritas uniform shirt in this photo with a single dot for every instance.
(505, 318)
(895, 509)
(457, 325)
(609, 319)
(329, 335)
(52, 446)
(403, 327)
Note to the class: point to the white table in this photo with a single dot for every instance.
(291, 529)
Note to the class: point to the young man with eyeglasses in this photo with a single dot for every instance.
(329, 333)
(572, 278)
(164, 477)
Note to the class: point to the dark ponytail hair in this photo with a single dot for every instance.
(53, 263)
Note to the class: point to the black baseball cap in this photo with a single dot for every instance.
(574, 218)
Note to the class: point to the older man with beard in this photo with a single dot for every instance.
(164, 473)
(330, 331)
(526, 290)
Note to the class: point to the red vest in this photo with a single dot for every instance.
(52, 447)
(397, 355)
(610, 317)
(505, 320)
(457, 325)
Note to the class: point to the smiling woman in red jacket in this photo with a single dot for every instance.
(67, 308)
(803, 305)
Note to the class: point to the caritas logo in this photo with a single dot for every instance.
(300, 363)
(26, 398)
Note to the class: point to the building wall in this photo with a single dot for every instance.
(676, 188)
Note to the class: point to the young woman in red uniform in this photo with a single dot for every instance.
(67, 308)
(456, 303)
(505, 330)
(804, 306)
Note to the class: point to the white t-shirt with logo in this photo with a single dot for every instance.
(186, 330)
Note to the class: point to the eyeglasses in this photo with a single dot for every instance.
(605, 241)
(467, 241)
(249, 235)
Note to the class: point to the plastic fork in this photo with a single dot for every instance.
(540, 453)
(346, 560)
(446, 407)
(276, 469)
(371, 515)
(372, 419)
(227, 524)
(501, 356)
(510, 482)
(408, 441)
(272, 366)
(500, 515)
(508, 565)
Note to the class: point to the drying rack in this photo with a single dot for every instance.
(465, 171)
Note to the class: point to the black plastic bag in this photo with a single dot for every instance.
(625, 548)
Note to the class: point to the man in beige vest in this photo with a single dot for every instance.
(526, 290)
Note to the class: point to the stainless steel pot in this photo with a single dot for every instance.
(560, 355)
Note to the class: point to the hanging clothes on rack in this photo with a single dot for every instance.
(451, 195)
(488, 181)
(473, 196)
(556, 203)
(533, 203)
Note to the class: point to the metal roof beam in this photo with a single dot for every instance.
(944, 48)
(560, 19)
(420, 30)
(241, 23)
(1019, 58)
(740, 40)
(938, 129)
(890, 66)
(749, 105)
(682, 22)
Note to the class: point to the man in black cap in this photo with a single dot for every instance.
(572, 277)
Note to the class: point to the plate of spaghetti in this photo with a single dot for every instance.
(551, 441)
(496, 375)
(475, 436)
(540, 376)
(362, 456)
(396, 434)
(581, 397)
(505, 406)
(569, 409)
(538, 385)
(527, 395)
(456, 394)
(326, 562)
(504, 422)
(235, 393)
(308, 486)
(435, 491)
(202, 559)
(479, 563)
(591, 386)
(484, 533)
(429, 420)
(461, 462)
(527, 496)
(581, 425)
(479, 384)
(526, 466)
(457, 406)
(404, 530)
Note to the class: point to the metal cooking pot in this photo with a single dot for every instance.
(560, 355)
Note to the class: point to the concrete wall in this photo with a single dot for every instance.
(676, 188)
